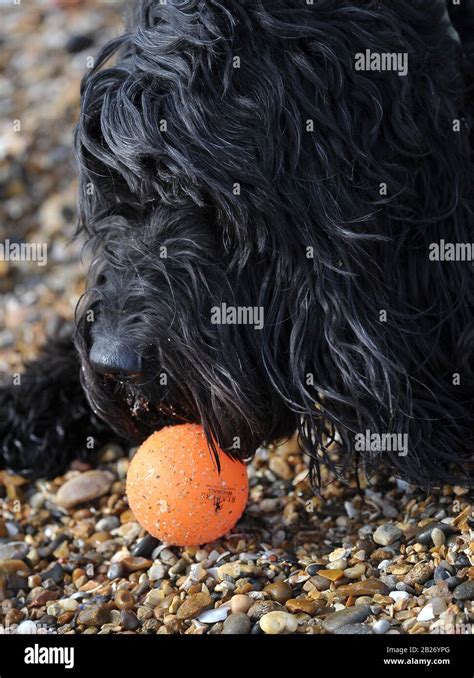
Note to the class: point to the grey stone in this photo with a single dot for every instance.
(237, 624)
(464, 591)
(386, 534)
(424, 534)
(14, 550)
(348, 616)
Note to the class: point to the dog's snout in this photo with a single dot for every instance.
(115, 358)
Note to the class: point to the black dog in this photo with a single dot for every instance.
(265, 189)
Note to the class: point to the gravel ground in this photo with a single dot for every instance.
(388, 559)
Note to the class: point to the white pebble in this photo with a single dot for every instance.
(213, 616)
(26, 627)
(386, 534)
(384, 564)
(156, 571)
(69, 604)
(439, 606)
(399, 595)
(438, 537)
(350, 510)
(426, 613)
(278, 622)
(380, 627)
(340, 564)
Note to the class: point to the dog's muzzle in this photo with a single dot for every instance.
(115, 359)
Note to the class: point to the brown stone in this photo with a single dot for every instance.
(368, 587)
(94, 615)
(279, 591)
(321, 583)
(44, 597)
(134, 563)
(98, 538)
(333, 575)
(124, 599)
(127, 517)
(194, 605)
(65, 618)
(419, 574)
(381, 554)
(13, 616)
(235, 570)
(84, 487)
(14, 567)
(261, 607)
(305, 605)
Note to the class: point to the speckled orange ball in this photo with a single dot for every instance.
(176, 492)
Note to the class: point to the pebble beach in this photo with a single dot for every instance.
(368, 557)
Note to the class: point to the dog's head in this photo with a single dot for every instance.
(165, 332)
(252, 202)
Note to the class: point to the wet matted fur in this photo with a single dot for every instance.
(231, 153)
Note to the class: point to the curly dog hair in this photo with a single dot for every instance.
(232, 156)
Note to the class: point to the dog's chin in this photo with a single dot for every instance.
(133, 410)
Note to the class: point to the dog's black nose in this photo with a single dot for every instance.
(115, 358)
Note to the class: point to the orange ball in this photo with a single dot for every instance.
(176, 492)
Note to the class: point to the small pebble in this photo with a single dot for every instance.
(440, 574)
(464, 591)
(83, 487)
(347, 616)
(194, 605)
(302, 605)
(355, 572)
(129, 620)
(438, 537)
(107, 524)
(279, 591)
(261, 607)
(313, 569)
(386, 535)
(420, 573)
(240, 603)
(237, 623)
(124, 599)
(145, 546)
(14, 550)
(213, 616)
(27, 627)
(381, 626)
(116, 571)
(156, 571)
(399, 595)
(95, 615)
(278, 622)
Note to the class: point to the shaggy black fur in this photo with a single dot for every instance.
(170, 130)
